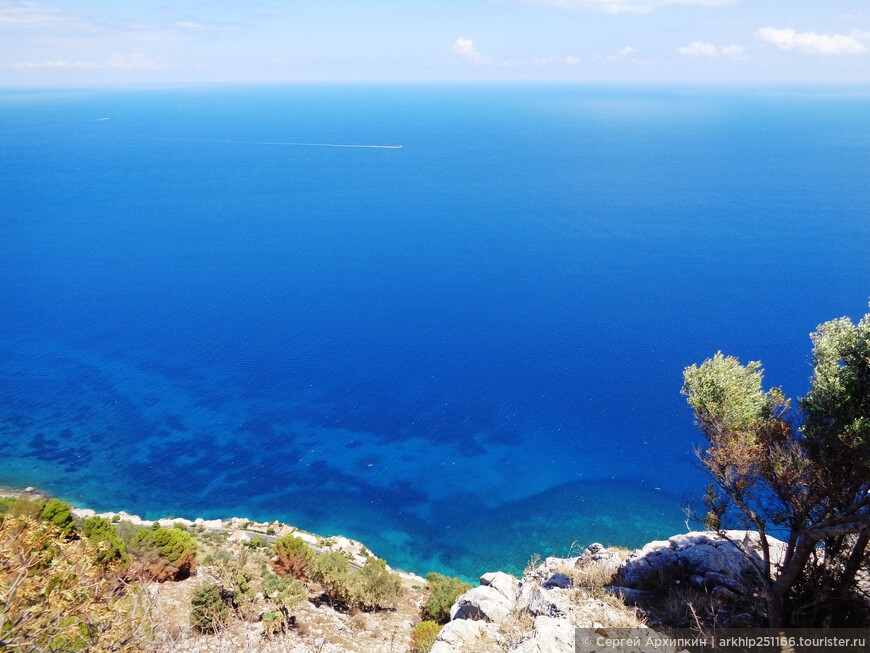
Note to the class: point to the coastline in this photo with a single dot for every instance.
(356, 551)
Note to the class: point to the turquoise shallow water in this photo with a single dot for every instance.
(461, 352)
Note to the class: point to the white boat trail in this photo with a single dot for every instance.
(370, 147)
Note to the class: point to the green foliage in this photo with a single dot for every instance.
(209, 609)
(256, 542)
(724, 393)
(104, 535)
(332, 571)
(164, 554)
(443, 592)
(372, 588)
(837, 408)
(293, 556)
(284, 596)
(6, 504)
(423, 636)
(379, 588)
(812, 481)
(59, 513)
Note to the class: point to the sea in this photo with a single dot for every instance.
(449, 321)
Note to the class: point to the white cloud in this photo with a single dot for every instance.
(133, 61)
(570, 60)
(811, 42)
(56, 64)
(624, 6)
(627, 51)
(699, 49)
(30, 15)
(702, 49)
(465, 48)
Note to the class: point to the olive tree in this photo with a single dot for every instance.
(805, 477)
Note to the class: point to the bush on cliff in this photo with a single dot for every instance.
(372, 588)
(209, 608)
(283, 595)
(59, 513)
(423, 636)
(104, 535)
(810, 481)
(54, 597)
(293, 556)
(332, 571)
(443, 592)
(163, 554)
(379, 588)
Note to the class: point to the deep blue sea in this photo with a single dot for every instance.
(462, 351)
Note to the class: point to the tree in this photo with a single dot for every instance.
(293, 556)
(332, 570)
(809, 481)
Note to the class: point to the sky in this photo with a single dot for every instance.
(118, 42)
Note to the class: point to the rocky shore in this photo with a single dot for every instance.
(696, 580)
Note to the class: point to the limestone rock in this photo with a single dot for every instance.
(704, 554)
(550, 635)
(505, 584)
(561, 581)
(631, 596)
(549, 603)
(482, 603)
(458, 635)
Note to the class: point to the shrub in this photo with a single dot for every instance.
(53, 597)
(284, 595)
(379, 588)
(443, 592)
(6, 504)
(104, 535)
(332, 571)
(293, 556)
(208, 608)
(423, 636)
(372, 588)
(59, 513)
(164, 554)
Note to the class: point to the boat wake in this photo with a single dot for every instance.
(371, 147)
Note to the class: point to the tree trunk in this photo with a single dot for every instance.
(775, 608)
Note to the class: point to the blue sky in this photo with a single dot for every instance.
(101, 42)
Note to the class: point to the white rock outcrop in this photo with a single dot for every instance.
(483, 603)
(732, 561)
